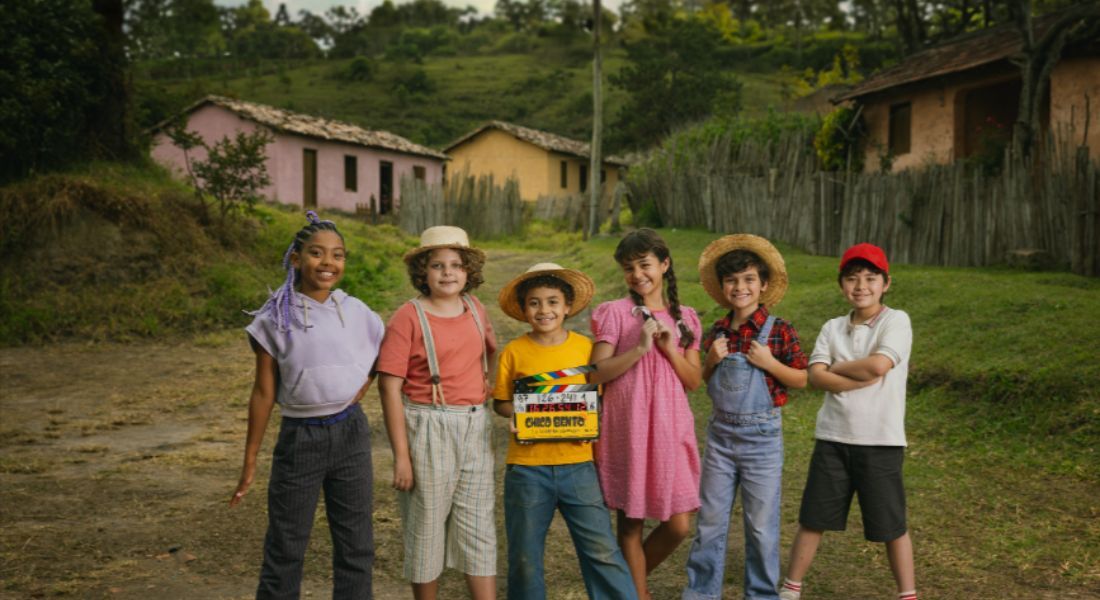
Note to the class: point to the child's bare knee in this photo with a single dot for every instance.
(679, 528)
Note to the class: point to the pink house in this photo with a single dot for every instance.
(312, 162)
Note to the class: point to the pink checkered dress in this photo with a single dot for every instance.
(647, 456)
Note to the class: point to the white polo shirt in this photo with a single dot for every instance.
(874, 415)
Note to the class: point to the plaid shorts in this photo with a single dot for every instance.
(448, 515)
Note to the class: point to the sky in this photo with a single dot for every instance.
(318, 7)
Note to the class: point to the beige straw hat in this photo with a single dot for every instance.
(442, 236)
(777, 279)
(583, 288)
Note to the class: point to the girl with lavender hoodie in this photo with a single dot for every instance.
(315, 350)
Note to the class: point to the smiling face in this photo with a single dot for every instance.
(320, 264)
(743, 289)
(446, 274)
(863, 288)
(545, 309)
(645, 275)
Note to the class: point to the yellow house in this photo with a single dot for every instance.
(545, 164)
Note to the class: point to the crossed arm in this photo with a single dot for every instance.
(851, 374)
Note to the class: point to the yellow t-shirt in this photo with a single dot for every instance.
(523, 357)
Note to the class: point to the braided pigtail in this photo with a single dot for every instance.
(280, 303)
(687, 337)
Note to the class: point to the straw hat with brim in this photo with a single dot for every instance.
(442, 236)
(777, 278)
(583, 289)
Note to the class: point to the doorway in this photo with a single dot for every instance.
(385, 187)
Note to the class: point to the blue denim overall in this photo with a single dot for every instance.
(744, 448)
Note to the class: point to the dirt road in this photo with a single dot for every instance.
(116, 462)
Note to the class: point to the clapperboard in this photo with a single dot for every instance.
(547, 412)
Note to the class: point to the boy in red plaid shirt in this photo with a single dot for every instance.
(752, 358)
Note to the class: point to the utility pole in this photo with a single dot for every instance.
(595, 185)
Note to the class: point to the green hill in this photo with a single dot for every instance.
(431, 103)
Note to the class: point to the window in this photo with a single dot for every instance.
(564, 174)
(584, 178)
(419, 173)
(900, 125)
(309, 178)
(351, 173)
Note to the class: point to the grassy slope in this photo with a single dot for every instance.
(119, 252)
(542, 90)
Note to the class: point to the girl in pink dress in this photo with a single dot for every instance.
(647, 353)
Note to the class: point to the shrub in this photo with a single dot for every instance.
(361, 69)
(233, 172)
(839, 142)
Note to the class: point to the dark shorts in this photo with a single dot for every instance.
(837, 471)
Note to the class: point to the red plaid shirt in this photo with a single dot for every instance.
(783, 342)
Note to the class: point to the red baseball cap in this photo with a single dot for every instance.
(868, 252)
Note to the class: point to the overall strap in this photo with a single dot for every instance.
(480, 329)
(766, 330)
(433, 360)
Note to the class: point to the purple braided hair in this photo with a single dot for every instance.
(280, 303)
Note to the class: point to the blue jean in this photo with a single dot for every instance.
(531, 495)
(744, 449)
(748, 455)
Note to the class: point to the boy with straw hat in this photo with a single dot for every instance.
(752, 357)
(545, 476)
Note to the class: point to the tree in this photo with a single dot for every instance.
(282, 17)
(342, 19)
(1040, 52)
(233, 172)
(196, 28)
(62, 87)
(526, 15)
(110, 123)
(174, 28)
(675, 76)
(315, 27)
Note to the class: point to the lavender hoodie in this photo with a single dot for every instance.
(321, 367)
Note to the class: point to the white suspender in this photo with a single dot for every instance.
(433, 359)
(481, 330)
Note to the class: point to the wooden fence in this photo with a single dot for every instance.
(479, 205)
(570, 212)
(940, 215)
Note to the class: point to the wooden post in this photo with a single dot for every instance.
(616, 205)
(595, 186)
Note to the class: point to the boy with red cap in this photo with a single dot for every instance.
(861, 360)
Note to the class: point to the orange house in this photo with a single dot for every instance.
(545, 164)
(961, 98)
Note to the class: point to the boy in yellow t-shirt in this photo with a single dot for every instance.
(543, 476)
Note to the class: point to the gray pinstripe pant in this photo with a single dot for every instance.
(337, 458)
